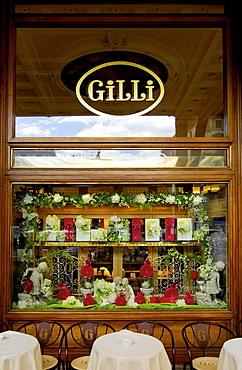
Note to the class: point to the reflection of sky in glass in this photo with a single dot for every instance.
(114, 158)
(95, 126)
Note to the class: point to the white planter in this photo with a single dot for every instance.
(85, 291)
(147, 291)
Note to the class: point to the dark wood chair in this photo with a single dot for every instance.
(83, 334)
(4, 326)
(159, 331)
(51, 336)
(238, 328)
(204, 341)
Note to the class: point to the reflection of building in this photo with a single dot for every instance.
(34, 153)
(218, 241)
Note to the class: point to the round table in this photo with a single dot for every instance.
(230, 357)
(19, 351)
(128, 350)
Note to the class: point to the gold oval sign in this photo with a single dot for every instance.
(117, 91)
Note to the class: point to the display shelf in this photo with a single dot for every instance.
(116, 244)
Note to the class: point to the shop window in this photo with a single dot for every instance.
(178, 232)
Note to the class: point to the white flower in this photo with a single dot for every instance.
(83, 223)
(140, 198)
(52, 221)
(145, 285)
(206, 272)
(47, 282)
(152, 228)
(100, 235)
(88, 285)
(104, 290)
(171, 199)
(79, 303)
(29, 216)
(197, 200)
(181, 302)
(115, 198)
(70, 300)
(28, 199)
(87, 198)
(57, 198)
(184, 226)
(114, 218)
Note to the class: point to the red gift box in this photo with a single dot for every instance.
(189, 298)
(69, 229)
(170, 228)
(162, 300)
(136, 229)
(63, 292)
(140, 299)
(121, 300)
(89, 300)
(87, 270)
(172, 291)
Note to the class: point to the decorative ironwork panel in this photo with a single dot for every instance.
(172, 273)
(67, 273)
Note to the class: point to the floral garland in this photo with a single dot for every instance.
(195, 203)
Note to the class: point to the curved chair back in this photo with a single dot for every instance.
(49, 333)
(83, 334)
(157, 330)
(238, 328)
(204, 339)
(4, 326)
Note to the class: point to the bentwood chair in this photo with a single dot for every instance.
(83, 334)
(204, 341)
(4, 326)
(238, 328)
(51, 337)
(157, 330)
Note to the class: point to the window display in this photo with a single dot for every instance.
(101, 242)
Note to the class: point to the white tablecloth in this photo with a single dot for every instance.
(19, 351)
(145, 352)
(230, 357)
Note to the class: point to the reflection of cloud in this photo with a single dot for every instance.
(147, 126)
(32, 130)
(96, 126)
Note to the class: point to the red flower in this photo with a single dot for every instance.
(195, 275)
(27, 285)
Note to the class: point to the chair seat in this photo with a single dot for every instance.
(80, 363)
(205, 363)
(48, 362)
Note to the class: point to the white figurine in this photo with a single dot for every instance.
(212, 286)
(37, 278)
(122, 286)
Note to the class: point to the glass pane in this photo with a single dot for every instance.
(119, 158)
(181, 229)
(187, 63)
